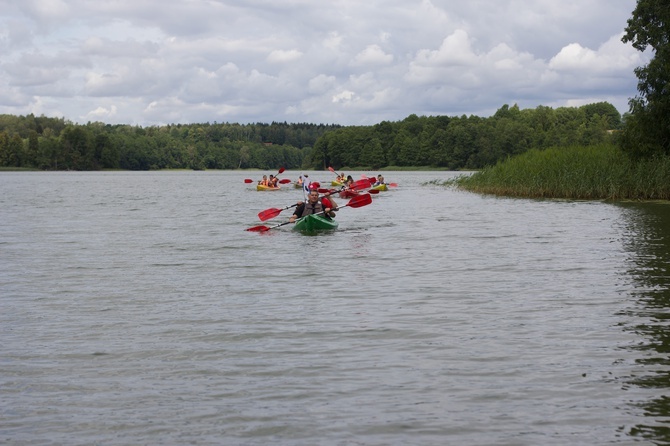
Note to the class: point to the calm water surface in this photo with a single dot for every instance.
(137, 310)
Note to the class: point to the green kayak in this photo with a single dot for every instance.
(314, 222)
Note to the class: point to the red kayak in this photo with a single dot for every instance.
(348, 193)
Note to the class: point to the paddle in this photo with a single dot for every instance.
(356, 202)
(335, 191)
(281, 170)
(372, 180)
(284, 181)
(357, 185)
(273, 212)
(333, 170)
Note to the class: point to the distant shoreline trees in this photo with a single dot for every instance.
(436, 141)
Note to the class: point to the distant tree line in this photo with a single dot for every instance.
(56, 144)
(437, 141)
(464, 142)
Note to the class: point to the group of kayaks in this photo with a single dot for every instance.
(359, 193)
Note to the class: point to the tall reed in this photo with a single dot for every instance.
(594, 172)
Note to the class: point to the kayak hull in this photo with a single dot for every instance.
(261, 187)
(380, 187)
(312, 223)
(348, 193)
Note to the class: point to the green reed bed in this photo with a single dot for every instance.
(594, 172)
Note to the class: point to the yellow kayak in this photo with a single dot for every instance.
(380, 187)
(336, 183)
(262, 187)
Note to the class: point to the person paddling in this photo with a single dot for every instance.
(314, 205)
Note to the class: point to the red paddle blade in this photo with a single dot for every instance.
(281, 170)
(284, 181)
(360, 200)
(331, 169)
(261, 228)
(360, 184)
(248, 180)
(392, 184)
(327, 191)
(373, 191)
(268, 214)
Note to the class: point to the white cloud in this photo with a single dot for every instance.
(101, 113)
(344, 96)
(372, 55)
(281, 56)
(347, 62)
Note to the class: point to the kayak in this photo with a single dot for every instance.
(380, 187)
(314, 222)
(262, 187)
(297, 185)
(348, 193)
(336, 183)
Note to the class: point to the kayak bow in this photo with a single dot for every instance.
(314, 222)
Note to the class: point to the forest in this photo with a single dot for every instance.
(443, 142)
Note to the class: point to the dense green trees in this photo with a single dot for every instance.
(56, 144)
(464, 142)
(647, 130)
(436, 141)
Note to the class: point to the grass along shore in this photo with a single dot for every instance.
(584, 173)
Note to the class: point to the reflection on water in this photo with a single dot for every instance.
(649, 242)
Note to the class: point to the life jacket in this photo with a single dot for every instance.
(310, 208)
(263, 182)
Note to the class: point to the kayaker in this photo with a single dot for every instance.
(314, 205)
(273, 181)
(264, 181)
(380, 180)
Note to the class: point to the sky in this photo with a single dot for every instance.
(347, 62)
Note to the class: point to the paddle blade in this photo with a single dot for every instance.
(284, 181)
(360, 200)
(392, 184)
(373, 191)
(331, 169)
(360, 184)
(327, 191)
(281, 170)
(268, 214)
(261, 228)
(248, 180)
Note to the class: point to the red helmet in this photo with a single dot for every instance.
(313, 186)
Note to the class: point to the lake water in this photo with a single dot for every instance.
(136, 309)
